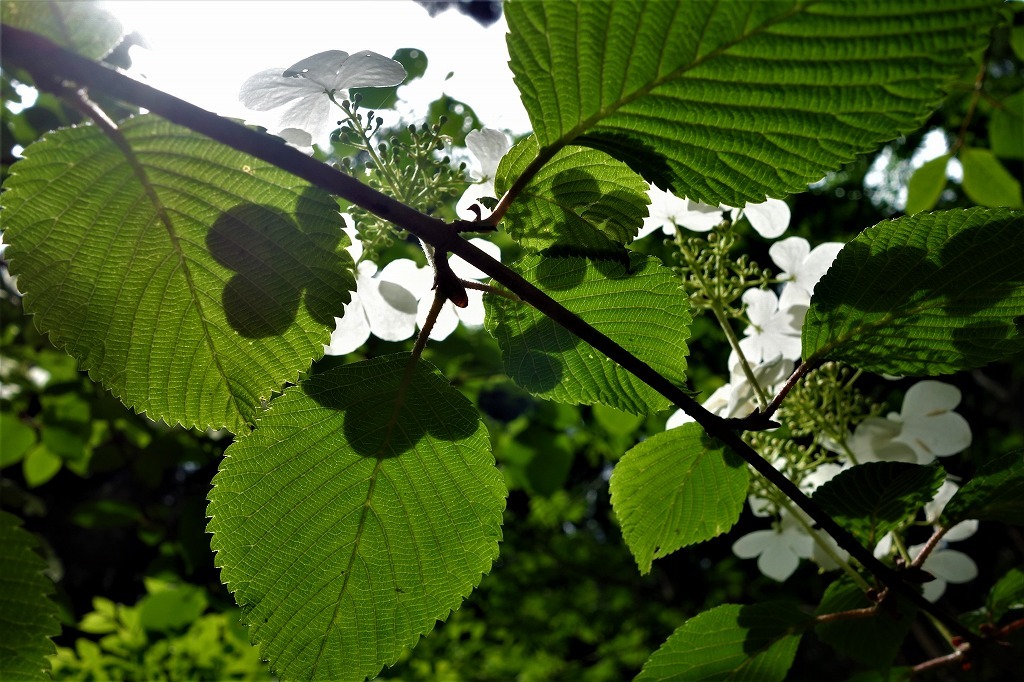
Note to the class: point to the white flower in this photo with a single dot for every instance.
(778, 550)
(488, 146)
(948, 566)
(736, 398)
(775, 324)
(933, 510)
(300, 93)
(801, 266)
(667, 211)
(873, 441)
(379, 306)
(929, 425)
(450, 316)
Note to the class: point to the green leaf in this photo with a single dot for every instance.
(1017, 41)
(172, 609)
(650, 318)
(987, 182)
(926, 185)
(675, 489)
(364, 507)
(1006, 128)
(1007, 594)
(996, 493)
(40, 465)
(873, 641)
(726, 102)
(923, 295)
(582, 201)
(28, 618)
(871, 499)
(754, 643)
(16, 438)
(79, 26)
(193, 294)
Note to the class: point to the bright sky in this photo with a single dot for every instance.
(202, 51)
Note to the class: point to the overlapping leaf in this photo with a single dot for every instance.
(582, 200)
(675, 489)
(871, 499)
(642, 308)
(79, 26)
(726, 102)
(28, 618)
(192, 290)
(364, 507)
(872, 641)
(753, 643)
(924, 295)
(996, 493)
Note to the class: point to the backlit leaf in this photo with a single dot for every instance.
(193, 294)
(926, 185)
(987, 182)
(675, 489)
(923, 295)
(79, 26)
(363, 508)
(727, 102)
(753, 643)
(650, 317)
(996, 493)
(873, 641)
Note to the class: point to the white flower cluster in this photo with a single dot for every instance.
(925, 428)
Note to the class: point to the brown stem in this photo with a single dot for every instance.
(928, 548)
(50, 64)
(852, 614)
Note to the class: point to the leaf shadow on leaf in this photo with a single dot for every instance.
(276, 257)
(764, 626)
(383, 418)
(636, 153)
(888, 267)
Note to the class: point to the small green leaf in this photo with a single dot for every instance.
(192, 293)
(172, 609)
(581, 202)
(28, 618)
(1006, 129)
(996, 493)
(926, 185)
(987, 182)
(40, 465)
(79, 26)
(1017, 41)
(923, 295)
(1006, 594)
(650, 318)
(364, 507)
(873, 641)
(617, 422)
(727, 102)
(753, 643)
(871, 499)
(675, 489)
(16, 438)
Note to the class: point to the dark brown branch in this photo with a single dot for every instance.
(50, 65)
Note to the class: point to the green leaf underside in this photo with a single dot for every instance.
(872, 641)
(923, 295)
(675, 489)
(726, 102)
(926, 185)
(871, 499)
(28, 618)
(986, 181)
(192, 307)
(79, 26)
(754, 643)
(362, 508)
(582, 200)
(650, 318)
(996, 493)
(1006, 594)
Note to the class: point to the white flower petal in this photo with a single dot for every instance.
(769, 219)
(447, 319)
(961, 531)
(789, 254)
(319, 68)
(752, 544)
(350, 331)
(929, 427)
(678, 418)
(817, 263)
(927, 398)
(367, 69)
(951, 566)
(778, 563)
(488, 146)
(473, 314)
(268, 89)
(464, 270)
(390, 309)
(416, 279)
(700, 217)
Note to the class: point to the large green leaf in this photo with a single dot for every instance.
(873, 641)
(726, 102)
(674, 489)
(28, 618)
(996, 493)
(753, 643)
(923, 295)
(193, 288)
(582, 200)
(364, 507)
(79, 26)
(649, 316)
(871, 499)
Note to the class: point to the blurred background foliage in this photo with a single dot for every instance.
(118, 501)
